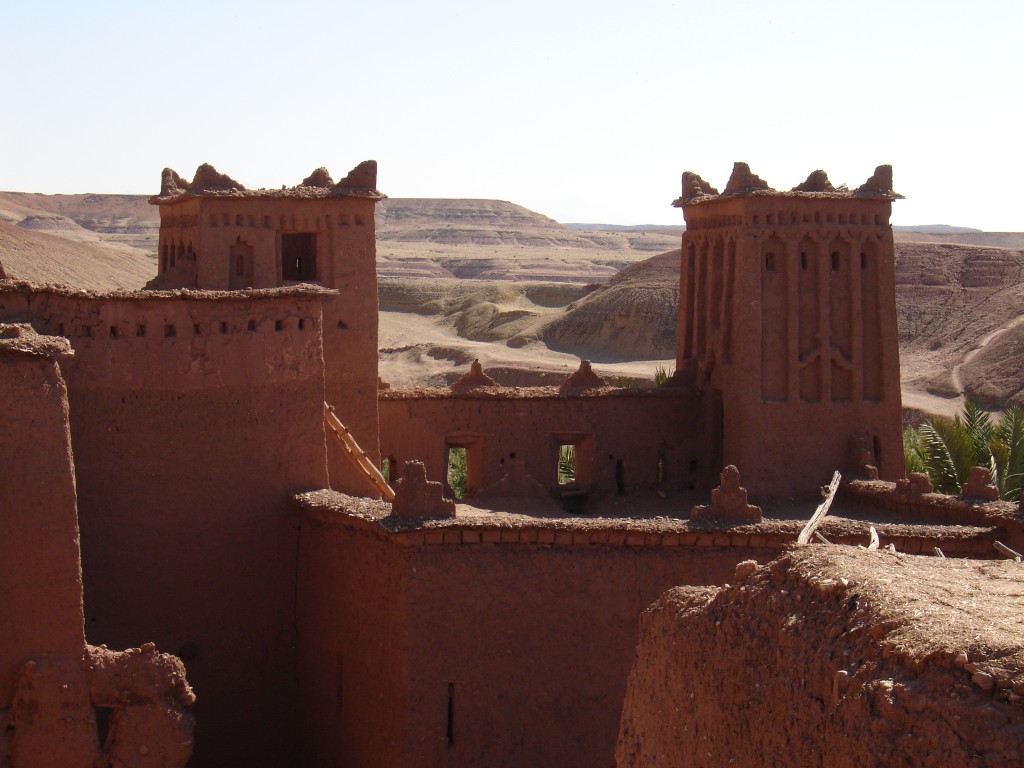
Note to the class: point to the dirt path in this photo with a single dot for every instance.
(957, 374)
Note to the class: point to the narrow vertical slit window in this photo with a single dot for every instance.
(450, 729)
(339, 692)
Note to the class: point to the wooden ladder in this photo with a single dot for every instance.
(357, 455)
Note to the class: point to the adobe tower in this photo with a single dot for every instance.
(787, 325)
(217, 235)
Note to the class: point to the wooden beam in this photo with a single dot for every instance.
(821, 511)
(874, 543)
(1005, 550)
(357, 455)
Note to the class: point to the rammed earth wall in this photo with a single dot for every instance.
(193, 418)
(619, 436)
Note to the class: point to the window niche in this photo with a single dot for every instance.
(463, 467)
(298, 256)
(573, 468)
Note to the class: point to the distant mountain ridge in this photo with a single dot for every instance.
(938, 229)
(625, 227)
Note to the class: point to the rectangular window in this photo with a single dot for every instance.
(298, 256)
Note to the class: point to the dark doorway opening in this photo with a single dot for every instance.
(298, 256)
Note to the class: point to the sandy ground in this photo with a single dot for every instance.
(419, 349)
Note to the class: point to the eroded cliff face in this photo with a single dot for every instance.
(832, 656)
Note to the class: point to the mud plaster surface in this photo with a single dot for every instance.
(833, 656)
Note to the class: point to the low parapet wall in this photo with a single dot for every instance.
(886, 499)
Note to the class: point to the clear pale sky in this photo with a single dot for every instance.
(584, 111)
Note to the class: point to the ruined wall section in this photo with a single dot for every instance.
(788, 325)
(53, 687)
(41, 578)
(621, 439)
(194, 416)
(831, 656)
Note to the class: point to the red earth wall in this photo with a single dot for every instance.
(193, 419)
(472, 645)
(52, 686)
(787, 323)
(831, 656)
(221, 230)
(623, 427)
(41, 577)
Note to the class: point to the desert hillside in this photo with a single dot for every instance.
(497, 240)
(633, 315)
(38, 256)
(529, 296)
(431, 238)
(990, 239)
(960, 308)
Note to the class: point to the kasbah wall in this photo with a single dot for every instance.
(193, 416)
(325, 627)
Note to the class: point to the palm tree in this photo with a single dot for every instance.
(946, 449)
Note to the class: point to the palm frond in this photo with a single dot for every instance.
(1007, 448)
(913, 452)
(948, 453)
(978, 424)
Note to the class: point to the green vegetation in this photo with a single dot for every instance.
(946, 449)
(566, 464)
(662, 375)
(457, 471)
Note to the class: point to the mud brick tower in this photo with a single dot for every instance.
(787, 326)
(217, 235)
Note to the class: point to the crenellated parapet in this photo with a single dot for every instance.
(361, 181)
